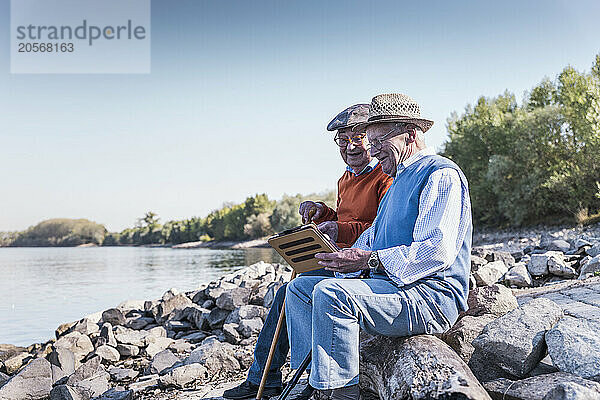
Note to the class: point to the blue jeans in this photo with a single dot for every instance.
(263, 345)
(326, 315)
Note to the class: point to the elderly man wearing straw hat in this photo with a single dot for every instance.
(360, 190)
(416, 255)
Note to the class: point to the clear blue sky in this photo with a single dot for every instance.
(241, 91)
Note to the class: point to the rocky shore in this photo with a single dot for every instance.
(532, 331)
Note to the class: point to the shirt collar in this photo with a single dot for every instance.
(427, 151)
(370, 167)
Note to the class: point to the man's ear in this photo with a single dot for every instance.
(411, 136)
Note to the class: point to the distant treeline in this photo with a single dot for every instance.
(256, 217)
(534, 162)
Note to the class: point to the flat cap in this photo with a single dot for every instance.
(349, 117)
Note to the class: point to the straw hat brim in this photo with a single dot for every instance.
(424, 124)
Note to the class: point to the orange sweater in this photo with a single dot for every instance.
(357, 201)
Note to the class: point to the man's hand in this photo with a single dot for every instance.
(330, 228)
(344, 261)
(305, 208)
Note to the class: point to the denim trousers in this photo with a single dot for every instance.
(325, 315)
(263, 345)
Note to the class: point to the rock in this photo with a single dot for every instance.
(162, 361)
(208, 304)
(90, 379)
(460, 336)
(195, 337)
(416, 367)
(538, 264)
(181, 347)
(594, 251)
(122, 374)
(129, 336)
(271, 291)
(33, 382)
(515, 341)
(572, 391)
(490, 273)
(249, 327)
(108, 353)
(157, 331)
(559, 245)
(158, 345)
(128, 305)
(64, 329)
(144, 383)
(178, 326)
(8, 350)
(3, 379)
(246, 312)
(14, 363)
(477, 262)
(590, 268)
(107, 334)
(184, 376)
(65, 392)
(518, 276)
(231, 299)
(139, 323)
(86, 326)
(62, 363)
(128, 350)
(114, 394)
(215, 356)
(231, 334)
(574, 346)
(217, 317)
(161, 311)
(79, 344)
(535, 388)
(503, 256)
(558, 267)
(198, 316)
(494, 299)
(213, 291)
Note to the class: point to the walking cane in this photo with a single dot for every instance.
(263, 380)
(296, 377)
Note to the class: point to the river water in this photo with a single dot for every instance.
(41, 288)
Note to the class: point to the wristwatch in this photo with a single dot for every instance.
(373, 263)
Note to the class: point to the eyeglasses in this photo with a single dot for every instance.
(378, 142)
(343, 141)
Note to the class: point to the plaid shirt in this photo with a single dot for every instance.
(443, 220)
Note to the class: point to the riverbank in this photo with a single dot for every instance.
(193, 344)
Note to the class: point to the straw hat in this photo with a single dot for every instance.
(395, 107)
(349, 117)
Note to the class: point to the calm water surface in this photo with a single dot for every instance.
(40, 288)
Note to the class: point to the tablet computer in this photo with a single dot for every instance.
(299, 245)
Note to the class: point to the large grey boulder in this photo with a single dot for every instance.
(14, 363)
(162, 361)
(215, 356)
(161, 311)
(572, 391)
(590, 268)
(108, 353)
(538, 264)
(157, 344)
(234, 298)
(62, 363)
(129, 336)
(462, 334)
(574, 346)
(90, 379)
(114, 316)
(80, 345)
(184, 376)
(217, 317)
(518, 276)
(249, 327)
(515, 341)
(115, 394)
(32, 383)
(537, 387)
(494, 299)
(107, 336)
(86, 326)
(558, 267)
(128, 350)
(559, 245)
(416, 367)
(66, 392)
(3, 378)
(490, 273)
(594, 250)
(122, 374)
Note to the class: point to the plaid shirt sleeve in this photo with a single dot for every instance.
(441, 226)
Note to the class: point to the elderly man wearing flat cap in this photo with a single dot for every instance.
(360, 190)
(416, 255)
